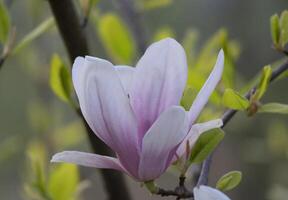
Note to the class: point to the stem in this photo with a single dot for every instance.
(76, 45)
(132, 16)
(227, 116)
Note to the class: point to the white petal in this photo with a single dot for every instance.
(207, 89)
(158, 82)
(88, 160)
(125, 74)
(208, 193)
(160, 143)
(194, 133)
(106, 108)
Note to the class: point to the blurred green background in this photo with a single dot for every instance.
(35, 123)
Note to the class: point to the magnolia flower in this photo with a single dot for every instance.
(136, 111)
(208, 193)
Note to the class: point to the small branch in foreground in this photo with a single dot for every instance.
(181, 192)
(227, 116)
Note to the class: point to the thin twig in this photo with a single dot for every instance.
(133, 17)
(227, 116)
(76, 45)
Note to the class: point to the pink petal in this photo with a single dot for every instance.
(194, 133)
(106, 108)
(159, 80)
(207, 89)
(160, 143)
(88, 160)
(125, 74)
(208, 193)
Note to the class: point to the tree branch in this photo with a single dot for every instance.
(132, 16)
(227, 116)
(76, 45)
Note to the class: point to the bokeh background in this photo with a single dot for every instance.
(35, 123)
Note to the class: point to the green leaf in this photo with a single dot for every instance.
(116, 38)
(63, 182)
(35, 33)
(153, 4)
(274, 108)
(205, 144)
(4, 22)
(60, 79)
(284, 27)
(275, 29)
(264, 82)
(234, 100)
(229, 181)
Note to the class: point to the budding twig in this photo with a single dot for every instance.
(228, 115)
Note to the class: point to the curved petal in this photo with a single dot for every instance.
(160, 142)
(207, 89)
(125, 74)
(106, 108)
(159, 80)
(194, 133)
(208, 193)
(88, 160)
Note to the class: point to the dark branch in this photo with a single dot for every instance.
(76, 44)
(2, 60)
(132, 16)
(181, 192)
(227, 116)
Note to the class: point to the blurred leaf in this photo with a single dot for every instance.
(60, 79)
(163, 33)
(9, 147)
(63, 182)
(275, 29)
(153, 4)
(274, 108)
(202, 64)
(189, 43)
(284, 27)
(37, 158)
(4, 22)
(264, 82)
(234, 100)
(277, 138)
(229, 181)
(205, 144)
(70, 134)
(35, 33)
(39, 116)
(116, 38)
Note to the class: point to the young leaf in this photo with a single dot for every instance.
(234, 100)
(35, 33)
(63, 182)
(116, 38)
(274, 108)
(205, 144)
(262, 86)
(60, 79)
(275, 29)
(229, 181)
(4, 23)
(284, 27)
